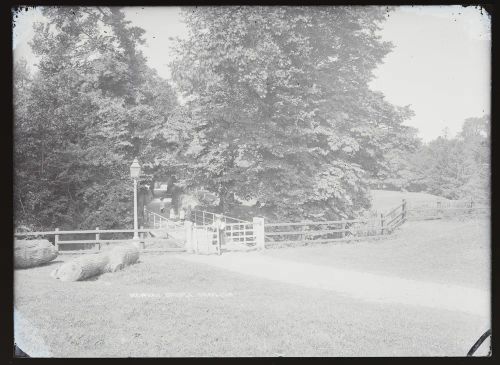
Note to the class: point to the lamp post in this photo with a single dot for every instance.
(135, 172)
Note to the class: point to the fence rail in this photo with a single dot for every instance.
(331, 231)
(258, 234)
(444, 209)
(97, 232)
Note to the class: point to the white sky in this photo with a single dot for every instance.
(440, 64)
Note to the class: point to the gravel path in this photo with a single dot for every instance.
(360, 285)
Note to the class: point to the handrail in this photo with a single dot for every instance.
(225, 217)
(162, 217)
(158, 215)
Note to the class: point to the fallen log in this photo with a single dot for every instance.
(85, 267)
(31, 253)
(122, 256)
(81, 268)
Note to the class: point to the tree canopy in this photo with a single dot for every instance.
(455, 168)
(92, 105)
(280, 107)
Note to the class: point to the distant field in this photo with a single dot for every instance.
(383, 200)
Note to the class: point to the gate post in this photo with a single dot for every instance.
(97, 238)
(439, 211)
(56, 240)
(142, 237)
(188, 227)
(258, 231)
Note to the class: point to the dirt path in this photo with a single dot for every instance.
(360, 285)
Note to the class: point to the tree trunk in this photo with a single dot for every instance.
(82, 267)
(85, 267)
(31, 253)
(221, 207)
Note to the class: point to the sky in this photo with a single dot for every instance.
(440, 63)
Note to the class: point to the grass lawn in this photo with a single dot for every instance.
(189, 309)
(384, 200)
(449, 251)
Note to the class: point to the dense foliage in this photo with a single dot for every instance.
(91, 106)
(455, 168)
(280, 109)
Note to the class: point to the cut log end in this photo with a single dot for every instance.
(32, 253)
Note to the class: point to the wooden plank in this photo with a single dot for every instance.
(79, 252)
(78, 241)
(240, 231)
(393, 210)
(231, 224)
(56, 240)
(80, 232)
(445, 209)
(393, 219)
(306, 232)
(318, 223)
(159, 250)
(324, 240)
(97, 238)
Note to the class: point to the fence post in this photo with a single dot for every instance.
(142, 237)
(188, 227)
(382, 223)
(403, 211)
(97, 236)
(56, 240)
(439, 210)
(471, 204)
(342, 227)
(258, 231)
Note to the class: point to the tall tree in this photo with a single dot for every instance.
(93, 105)
(453, 167)
(280, 106)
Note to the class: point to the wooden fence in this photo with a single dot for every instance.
(303, 233)
(93, 243)
(258, 234)
(445, 209)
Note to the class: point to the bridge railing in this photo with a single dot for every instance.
(157, 221)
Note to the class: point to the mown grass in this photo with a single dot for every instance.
(384, 200)
(250, 316)
(450, 251)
